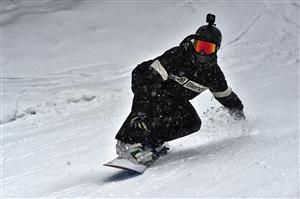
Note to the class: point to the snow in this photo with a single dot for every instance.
(65, 92)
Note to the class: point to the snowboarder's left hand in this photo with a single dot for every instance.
(138, 122)
(237, 114)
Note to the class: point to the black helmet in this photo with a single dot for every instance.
(210, 32)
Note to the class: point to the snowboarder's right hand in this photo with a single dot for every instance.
(237, 114)
(138, 121)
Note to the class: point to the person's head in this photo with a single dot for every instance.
(207, 40)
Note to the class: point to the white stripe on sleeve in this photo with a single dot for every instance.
(160, 69)
(225, 93)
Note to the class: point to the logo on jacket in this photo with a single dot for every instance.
(191, 85)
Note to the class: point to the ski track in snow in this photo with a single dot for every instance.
(58, 129)
(244, 32)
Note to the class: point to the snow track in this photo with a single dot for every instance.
(60, 111)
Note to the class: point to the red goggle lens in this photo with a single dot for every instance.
(207, 47)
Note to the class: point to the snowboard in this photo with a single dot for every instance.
(128, 165)
(125, 164)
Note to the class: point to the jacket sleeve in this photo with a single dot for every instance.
(148, 77)
(147, 80)
(223, 93)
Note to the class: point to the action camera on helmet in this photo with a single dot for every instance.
(210, 19)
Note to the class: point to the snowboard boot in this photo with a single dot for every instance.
(138, 153)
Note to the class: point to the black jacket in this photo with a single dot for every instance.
(178, 74)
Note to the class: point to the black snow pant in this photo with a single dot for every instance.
(167, 118)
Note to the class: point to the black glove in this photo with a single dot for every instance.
(237, 114)
(138, 121)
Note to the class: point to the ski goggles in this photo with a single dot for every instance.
(207, 47)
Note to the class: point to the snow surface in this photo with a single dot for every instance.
(65, 91)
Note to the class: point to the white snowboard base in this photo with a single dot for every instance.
(126, 164)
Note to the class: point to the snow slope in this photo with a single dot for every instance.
(65, 91)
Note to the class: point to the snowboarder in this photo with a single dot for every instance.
(162, 88)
